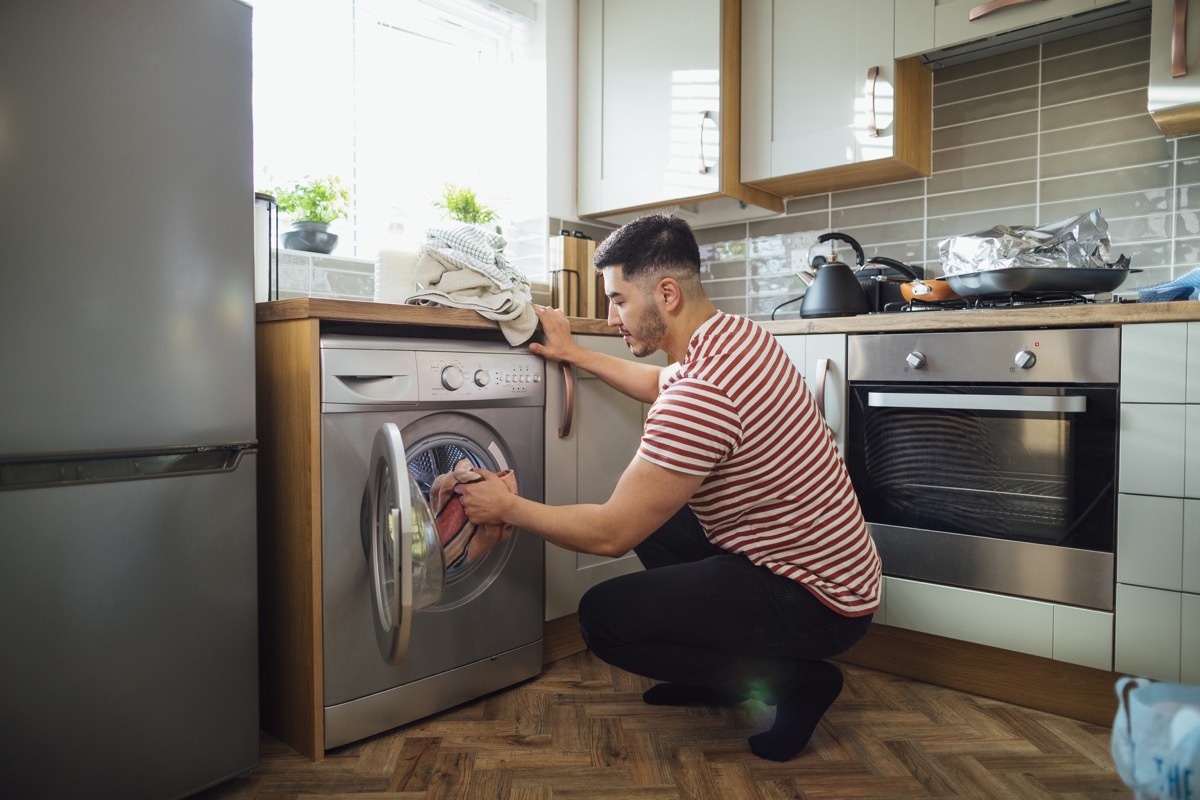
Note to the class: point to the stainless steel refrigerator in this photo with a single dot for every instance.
(128, 612)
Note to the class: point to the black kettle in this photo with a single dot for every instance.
(835, 291)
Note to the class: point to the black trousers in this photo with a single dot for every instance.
(702, 616)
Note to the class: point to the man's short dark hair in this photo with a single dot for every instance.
(648, 245)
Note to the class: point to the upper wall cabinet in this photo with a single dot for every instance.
(1174, 94)
(658, 111)
(825, 106)
(923, 26)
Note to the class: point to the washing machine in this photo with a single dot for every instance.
(405, 634)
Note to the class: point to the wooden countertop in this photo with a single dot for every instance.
(392, 314)
(1097, 314)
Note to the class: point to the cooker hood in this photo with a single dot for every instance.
(1083, 22)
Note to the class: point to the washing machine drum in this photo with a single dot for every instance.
(407, 571)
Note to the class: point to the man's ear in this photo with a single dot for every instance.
(670, 292)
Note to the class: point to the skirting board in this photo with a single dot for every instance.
(1056, 687)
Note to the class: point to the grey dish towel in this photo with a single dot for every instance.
(465, 267)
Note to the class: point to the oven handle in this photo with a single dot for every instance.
(979, 402)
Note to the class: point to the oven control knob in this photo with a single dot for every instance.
(1025, 359)
(452, 377)
(482, 378)
(916, 359)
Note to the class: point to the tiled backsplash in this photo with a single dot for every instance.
(1023, 138)
(304, 274)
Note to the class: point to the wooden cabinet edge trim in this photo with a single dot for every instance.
(914, 115)
(290, 644)
(841, 178)
(1178, 121)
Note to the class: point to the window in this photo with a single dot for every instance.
(400, 98)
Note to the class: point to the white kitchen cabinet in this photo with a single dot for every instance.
(819, 118)
(1190, 577)
(659, 120)
(1153, 449)
(1173, 96)
(1158, 515)
(1154, 364)
(1160, 409)
(1064, 633)
(1083, 636)
(584, 466)
(1189, 641)
(923, 26)
(821, 358)
(1148, 632)
(1150, 540)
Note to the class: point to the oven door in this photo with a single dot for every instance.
(997, 487)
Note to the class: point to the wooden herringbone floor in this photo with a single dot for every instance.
(580, 730)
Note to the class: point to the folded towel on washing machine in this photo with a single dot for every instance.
(464, 542)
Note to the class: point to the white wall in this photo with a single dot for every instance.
(562, 47)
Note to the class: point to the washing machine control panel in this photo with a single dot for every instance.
(479, 376)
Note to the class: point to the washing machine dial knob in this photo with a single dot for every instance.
(482, 378)
(452, 377)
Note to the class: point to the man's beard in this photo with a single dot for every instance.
(644, 340)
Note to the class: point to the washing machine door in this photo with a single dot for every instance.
(407, 573)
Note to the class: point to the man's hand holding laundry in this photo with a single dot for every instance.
(465, 541)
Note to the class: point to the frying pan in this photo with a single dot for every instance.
(1041, 280)
(926, 291)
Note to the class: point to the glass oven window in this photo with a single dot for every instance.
(988, 460)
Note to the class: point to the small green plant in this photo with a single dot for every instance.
(322, 199)
(462, 205)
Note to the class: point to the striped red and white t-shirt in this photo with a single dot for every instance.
(777, 491)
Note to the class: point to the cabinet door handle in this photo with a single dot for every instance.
(979, 12)
(872, 79)
(822, 376)
(704, 168)
(564, 430)
(1179, 40)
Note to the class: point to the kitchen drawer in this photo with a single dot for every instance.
(1064, 633)
(1189, 644)
(1083, 636)
(1149, 624)
(1153, 449)
(1154, 364)
(1150, 539)
(1011, 623)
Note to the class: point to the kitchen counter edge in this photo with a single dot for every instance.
(393, 314)
(1074, 316)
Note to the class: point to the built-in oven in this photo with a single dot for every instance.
(988, 459)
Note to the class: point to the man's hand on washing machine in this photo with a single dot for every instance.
(485, 501)
(557, 344)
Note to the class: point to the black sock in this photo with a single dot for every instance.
(797, 715)
(680, 694)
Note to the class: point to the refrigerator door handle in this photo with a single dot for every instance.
(67, 469)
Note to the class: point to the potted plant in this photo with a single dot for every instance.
(460, 203)
(312, 204)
